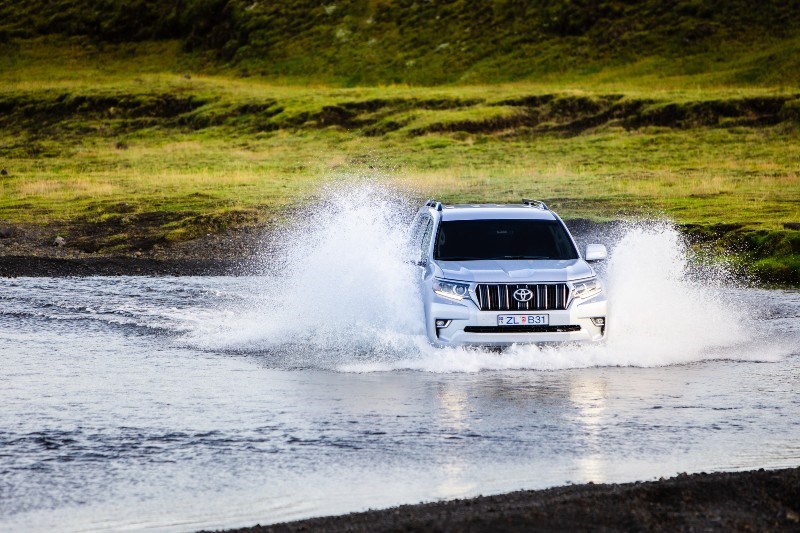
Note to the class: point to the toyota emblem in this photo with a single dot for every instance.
(523, 295)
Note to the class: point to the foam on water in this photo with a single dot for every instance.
(338, 293)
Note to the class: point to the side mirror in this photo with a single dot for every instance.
(595, 252)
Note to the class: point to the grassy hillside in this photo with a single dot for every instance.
(359, 42)
(129, 125)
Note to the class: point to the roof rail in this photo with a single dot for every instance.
(535, 203)
(435, 204)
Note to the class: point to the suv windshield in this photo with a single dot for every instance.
(472, 240)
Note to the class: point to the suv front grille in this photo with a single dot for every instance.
(500, 297)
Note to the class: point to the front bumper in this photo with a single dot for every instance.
(573, 324)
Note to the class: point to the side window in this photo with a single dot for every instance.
(564, 245)
(426, 240)
(417, 233)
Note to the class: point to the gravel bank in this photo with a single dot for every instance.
(18, 266)
(32, 251)
(742, 501)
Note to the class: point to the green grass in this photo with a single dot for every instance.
(120, 141)
(374, 42)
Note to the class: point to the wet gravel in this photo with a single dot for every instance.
(35, 266)
(742, 501)
(31, 251)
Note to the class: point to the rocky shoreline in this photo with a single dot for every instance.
(33, 266)
(32, 251)
(740, 501)
(29, 250)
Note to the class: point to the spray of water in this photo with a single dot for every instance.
(336, 287)
(663, 309)
(337, 293)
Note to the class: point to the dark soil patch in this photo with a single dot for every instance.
(744, 501)
(33, 113)
(46, 115)
(746, 111)
(32, 251)
(573, 115)
(118, 266)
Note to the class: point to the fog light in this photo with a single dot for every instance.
(599, 321)
(440, 323)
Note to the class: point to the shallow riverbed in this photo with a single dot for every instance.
(156, 403)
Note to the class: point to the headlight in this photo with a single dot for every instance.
(586, 288)
(451, 289)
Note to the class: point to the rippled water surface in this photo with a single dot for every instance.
(189, 403)
(116, 412)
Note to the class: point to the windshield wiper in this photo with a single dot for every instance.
(461, 258)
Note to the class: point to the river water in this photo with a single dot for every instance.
(177, 404)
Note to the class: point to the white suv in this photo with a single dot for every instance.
(498, 275)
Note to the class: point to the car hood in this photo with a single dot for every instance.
(513, 271)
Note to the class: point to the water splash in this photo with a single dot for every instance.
(663, 309)
(336, 285)
(338, 293)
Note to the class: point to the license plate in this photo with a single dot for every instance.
(523, 320)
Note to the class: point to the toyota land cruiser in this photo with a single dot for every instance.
(498, 275)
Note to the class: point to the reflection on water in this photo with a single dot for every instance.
(589, 395)
(454, 407)
(454, 417)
